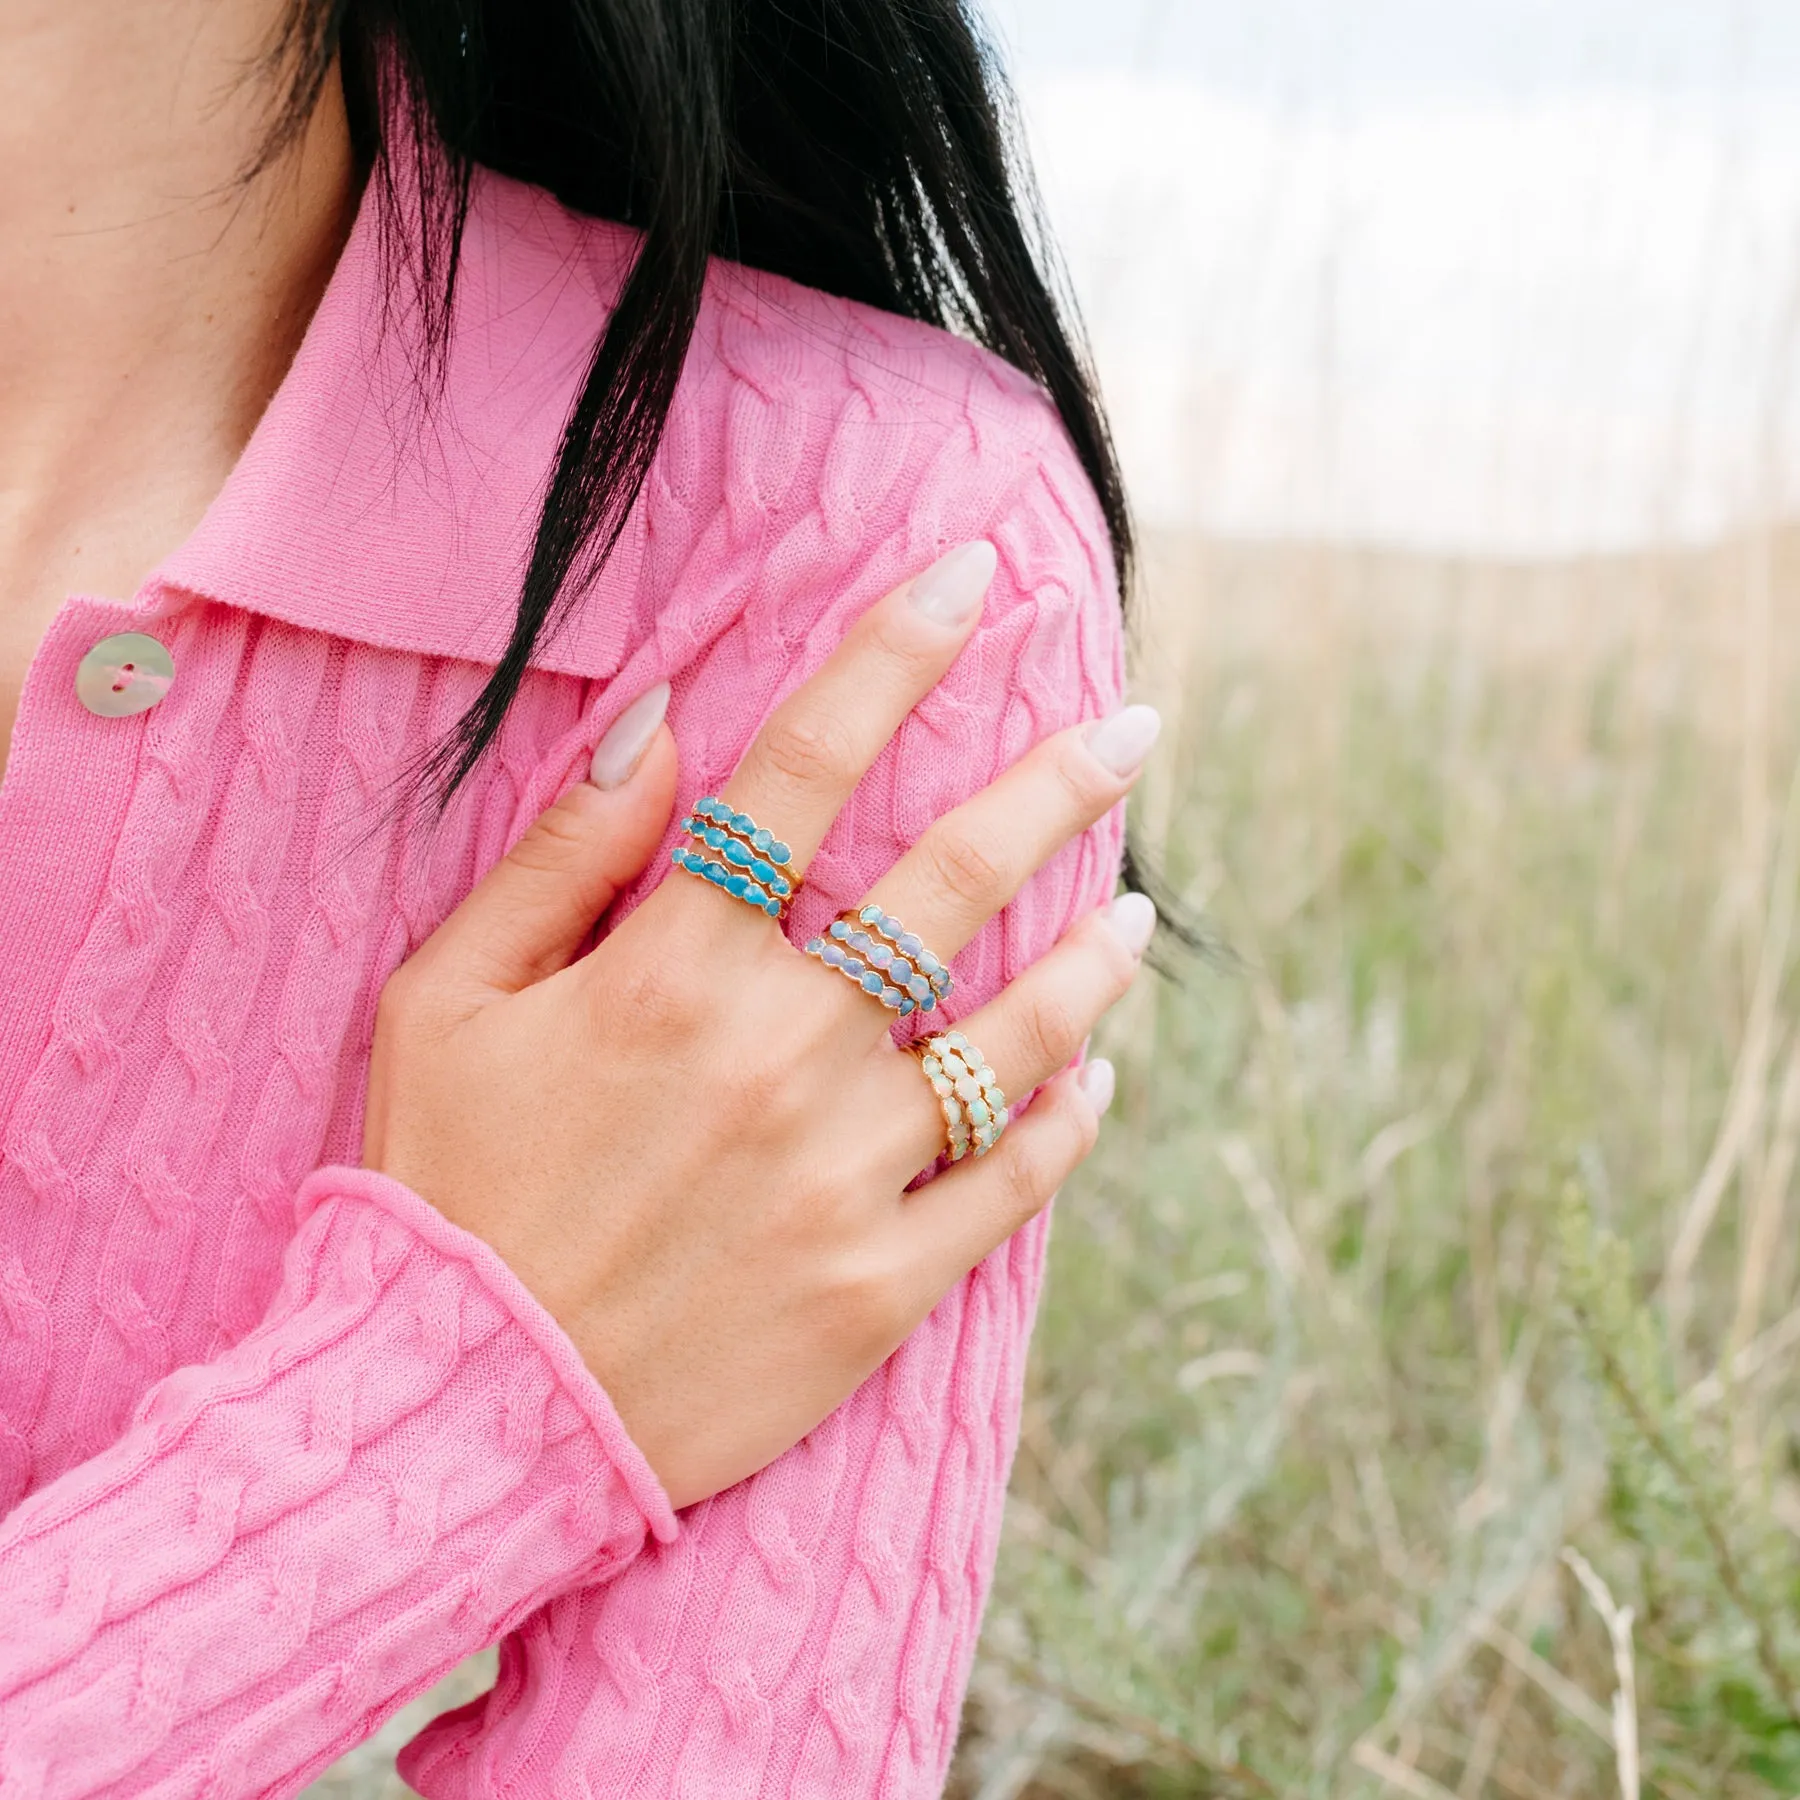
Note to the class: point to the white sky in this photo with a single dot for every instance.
(1484, 273)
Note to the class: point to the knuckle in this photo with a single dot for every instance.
(766, 1092)
(1119, 965)
(1083, 1125)
(1050, 1031)
(555, 840)
(869, 1305)
(810, 750)
(655, 994)
(910, 660)
(962, 866)
(405, 999)
(1086, 788)
(1028, 1180)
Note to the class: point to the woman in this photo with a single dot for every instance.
(348, 1323)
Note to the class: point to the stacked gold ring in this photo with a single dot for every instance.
(975, 1111)
(889, 963)
(736, 855)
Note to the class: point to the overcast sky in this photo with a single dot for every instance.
(1430, 49)
(1496, 273)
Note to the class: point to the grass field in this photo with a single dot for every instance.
(1416, 1371)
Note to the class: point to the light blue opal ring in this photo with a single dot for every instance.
(874, 950)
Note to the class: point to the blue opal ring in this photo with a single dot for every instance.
(731, 851)
(888, 962)
(969, 1095)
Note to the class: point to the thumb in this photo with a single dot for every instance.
(529, 915)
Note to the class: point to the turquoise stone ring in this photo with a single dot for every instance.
(731, 851)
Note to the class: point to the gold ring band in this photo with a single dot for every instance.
(967, 1091)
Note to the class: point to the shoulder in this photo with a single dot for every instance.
(818, 452)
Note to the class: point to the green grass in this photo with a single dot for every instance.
(1365, 1311)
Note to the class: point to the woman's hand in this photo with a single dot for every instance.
(692, 1144)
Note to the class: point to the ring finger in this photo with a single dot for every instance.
(970, 863)
(1036, 1026)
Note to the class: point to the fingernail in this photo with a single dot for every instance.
(1132, 919)
(951, 589)
(618, 754)
(1122, 742)
(1097, 1081)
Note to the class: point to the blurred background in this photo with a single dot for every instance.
(1413, 1408)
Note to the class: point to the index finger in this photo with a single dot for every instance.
(819, 742)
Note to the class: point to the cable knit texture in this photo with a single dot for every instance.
(278, 1445)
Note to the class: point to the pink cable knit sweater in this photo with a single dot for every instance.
(278, 1445)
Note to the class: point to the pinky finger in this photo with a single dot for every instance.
(979, 1204)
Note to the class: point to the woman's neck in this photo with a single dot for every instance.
(150, 297)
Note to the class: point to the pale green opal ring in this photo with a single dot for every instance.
(967, 1091)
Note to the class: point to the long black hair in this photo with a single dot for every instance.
(858, 146)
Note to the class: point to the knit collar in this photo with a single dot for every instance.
(362, 510)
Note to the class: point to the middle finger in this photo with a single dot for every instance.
(974, 859)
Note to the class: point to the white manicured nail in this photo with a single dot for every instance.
(1132, 919)
(1121, 743)
(1097, 1082)
(952, 588)
(618, 754)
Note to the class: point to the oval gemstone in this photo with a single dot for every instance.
(870, 915)
(833, 954)
(872, 983)
(918, 987)
(929, 964)
(740, 854)
(839, 930)
(737, 885)
(861, 942)
(890, 997)
(762, 837)
(763, 871)
(780, 853)
(910, 945)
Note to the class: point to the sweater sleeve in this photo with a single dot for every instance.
(810, 1632)
(402, 1461)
